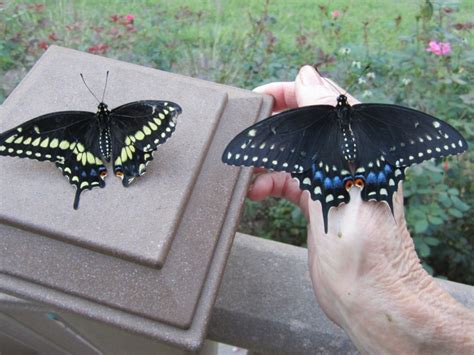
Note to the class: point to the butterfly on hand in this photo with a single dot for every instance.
(330, 149)
(80, 143)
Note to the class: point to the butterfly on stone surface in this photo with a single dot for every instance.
(330, 149)
(79, 142)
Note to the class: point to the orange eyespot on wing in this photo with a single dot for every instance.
(348, 185)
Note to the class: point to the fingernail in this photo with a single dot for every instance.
(309, 77)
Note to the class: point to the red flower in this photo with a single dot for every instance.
(114, 18)
(39, 7)
(43, 45)
(100, 48)
(52, 36)
(335, 14)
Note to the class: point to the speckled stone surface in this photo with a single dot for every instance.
(41, 198)
(101, 261)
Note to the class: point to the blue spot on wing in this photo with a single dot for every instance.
(327, 183)
(337, 182)
(381, 179)
(371, 178)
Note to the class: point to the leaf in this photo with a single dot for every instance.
(421, 226)
(454, 212)
(453, 191)
(435, 220)
(431, 241)
(424, 250)
(460, 205)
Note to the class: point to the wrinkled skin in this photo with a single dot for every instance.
(365, 272)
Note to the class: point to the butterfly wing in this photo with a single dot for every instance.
(138, 128)
(68, 139)
(289, 141)
(305, 142)
(392, 138)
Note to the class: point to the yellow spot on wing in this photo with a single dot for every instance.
(129, 153)
(157, 121)
(84, 158)
(139, 135)
(27, 140)
(160, 115)
(80, 147)
(146, 130)
(67, 170)
(44, 144)
(54, 143)
(153, 126)
(2, 148)
(19, 140)
(79, 157)
(84, 184)
(75, 178)
(123, 154)
(98, 161)
(36, 142)
(90, 158)
(118, 161)
(127, 141)
(64, 145)
(10, 139)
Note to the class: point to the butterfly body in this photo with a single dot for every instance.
(330, 149)
(79, 142)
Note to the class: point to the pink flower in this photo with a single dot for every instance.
(128, 19)
(439, 48)
(335, 14)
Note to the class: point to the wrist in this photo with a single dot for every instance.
(413, 315)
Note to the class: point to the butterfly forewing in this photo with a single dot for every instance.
(138, 128)
(402, 135)
(284, 142)
(55, 137)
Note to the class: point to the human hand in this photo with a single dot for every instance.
(365, 271)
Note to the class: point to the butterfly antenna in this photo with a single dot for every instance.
(84, 81)
(367, 67)
(327, 80)
(105, 87)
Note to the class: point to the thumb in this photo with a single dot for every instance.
(311, 90)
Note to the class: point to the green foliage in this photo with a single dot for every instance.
(246, 44)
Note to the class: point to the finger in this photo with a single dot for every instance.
(313, 89)
(278, 184)
(282, 92)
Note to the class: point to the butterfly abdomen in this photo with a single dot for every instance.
(348, 145)
(105, 143)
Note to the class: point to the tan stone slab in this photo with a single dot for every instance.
(40, 199)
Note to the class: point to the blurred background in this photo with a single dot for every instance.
(420, 55)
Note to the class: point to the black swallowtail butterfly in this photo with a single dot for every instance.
(79, 142)
(330, 149)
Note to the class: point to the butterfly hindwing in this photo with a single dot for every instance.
(138, 128)
(326, 184)
(54, 137)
